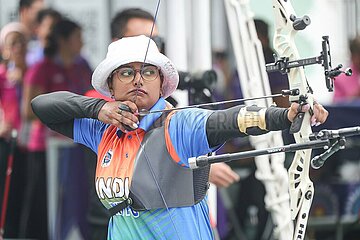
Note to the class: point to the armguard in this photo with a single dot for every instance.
(240, 121)
(251, 117)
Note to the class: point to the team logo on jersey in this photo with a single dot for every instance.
(107, 158)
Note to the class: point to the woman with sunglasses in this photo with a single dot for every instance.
(142, 174)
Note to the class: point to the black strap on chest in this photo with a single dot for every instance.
(119, 207)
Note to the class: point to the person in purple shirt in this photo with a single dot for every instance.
(62, 69)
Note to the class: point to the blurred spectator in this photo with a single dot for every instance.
(62, 69)
(28, 11)
(347, 88)
(45, 20)
(132, 22)
(13, 40)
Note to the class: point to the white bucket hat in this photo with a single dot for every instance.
(133, 49)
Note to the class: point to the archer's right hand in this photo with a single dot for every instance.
(126, 121)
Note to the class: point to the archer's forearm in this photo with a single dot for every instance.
(58, 110)
(242, 121)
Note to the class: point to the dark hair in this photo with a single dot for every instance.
(48, 12)
(61, 30)
(354, 45)
(121, 19)
(262, 28)
(25, 3)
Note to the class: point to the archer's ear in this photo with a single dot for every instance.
(109, 83)
(111, 91)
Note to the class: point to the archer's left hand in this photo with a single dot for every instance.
(319, 116)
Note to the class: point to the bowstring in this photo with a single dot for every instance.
(136, 132)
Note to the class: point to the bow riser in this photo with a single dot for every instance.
(300, 186)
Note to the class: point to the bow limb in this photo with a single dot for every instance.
(254, 82)
(301, 187)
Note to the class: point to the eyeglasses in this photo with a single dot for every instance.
(127, 74)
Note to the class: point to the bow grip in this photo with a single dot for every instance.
(296, 124)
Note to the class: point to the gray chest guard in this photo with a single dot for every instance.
(180, 186)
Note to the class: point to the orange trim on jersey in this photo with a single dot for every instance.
(124, 151)
(169, 145)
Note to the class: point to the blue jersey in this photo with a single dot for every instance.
(116, 154)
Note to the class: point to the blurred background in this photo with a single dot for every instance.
(196, 36)
(339, 19)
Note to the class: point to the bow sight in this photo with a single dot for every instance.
(283, 65)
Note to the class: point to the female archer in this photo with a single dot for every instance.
(142, 174)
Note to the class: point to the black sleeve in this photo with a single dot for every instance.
(222, 125)
(276, 119)
(58, 110)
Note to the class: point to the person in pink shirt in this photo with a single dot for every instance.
(62, 69)
(13, 41)
(347, 88)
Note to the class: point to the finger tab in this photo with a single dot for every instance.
(124, 107)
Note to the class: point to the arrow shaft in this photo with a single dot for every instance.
(283, 94)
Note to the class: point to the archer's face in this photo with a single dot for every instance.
(142, 92)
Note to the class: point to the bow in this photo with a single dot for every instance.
(246, 46)
(300, 186)
(286, 26)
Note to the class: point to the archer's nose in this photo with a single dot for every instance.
(138, 80)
